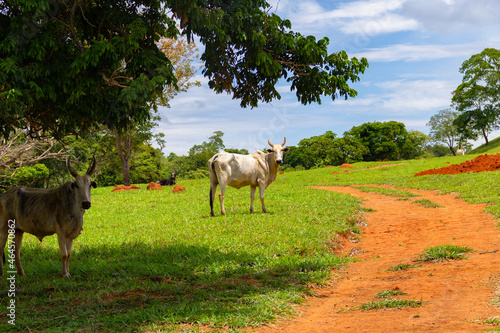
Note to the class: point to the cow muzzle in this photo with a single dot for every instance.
(86, 205)
(279, 161)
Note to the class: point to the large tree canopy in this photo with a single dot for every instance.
(384, 140)
(478, 96)
(67, 66)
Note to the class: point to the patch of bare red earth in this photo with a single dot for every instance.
(457, 294)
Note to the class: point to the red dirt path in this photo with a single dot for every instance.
(457, 295)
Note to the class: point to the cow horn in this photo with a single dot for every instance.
(71, 171)
(268, 141)
(284, 141)
(91, 169)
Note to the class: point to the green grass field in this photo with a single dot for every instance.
(156, 261)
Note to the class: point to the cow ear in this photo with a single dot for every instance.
(93, 184)
(286, 149)
(270, 150)
(74, 185)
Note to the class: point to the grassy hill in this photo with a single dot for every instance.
(492, 148)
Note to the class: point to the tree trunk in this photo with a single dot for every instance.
(124, 146)
(126, 172)
(452, 151)
(485, 136)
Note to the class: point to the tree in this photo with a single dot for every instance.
(236, 151)
(384, 140)
(443, 128)
(22, 150)
(200, 154)
(181, 54)
(350, 149)
(300, 157)
(418, 143)
(478, 96)
(67, 67)
(325, 149)
(437, 150)
(195, 164)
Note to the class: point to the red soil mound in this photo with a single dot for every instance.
(478, 164)
(346, 165)
(154, 186)
(121, 188)
(178, 188)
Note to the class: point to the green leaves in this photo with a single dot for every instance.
(385, 140)
(81, 64)
(478, 96)
(248, 50)
(75, 64)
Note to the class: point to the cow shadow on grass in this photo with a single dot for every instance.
(135, 286)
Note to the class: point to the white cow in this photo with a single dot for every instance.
(460, 152)
(235, 170)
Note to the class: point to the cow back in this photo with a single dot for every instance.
(42, 212)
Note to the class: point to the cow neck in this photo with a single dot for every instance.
(273, 168)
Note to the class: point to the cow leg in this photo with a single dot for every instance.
(69, 245)
(221, 198)
(252, 197)
(64, 254)
(213, 191)
(262, 187)
(18, 239)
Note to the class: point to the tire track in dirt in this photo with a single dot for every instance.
(457, 295)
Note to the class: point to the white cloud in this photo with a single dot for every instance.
(415, 96)
(378, 17)
(366, 16)
(387, 23)
(412, 52)
(402, 97)
(456, 15)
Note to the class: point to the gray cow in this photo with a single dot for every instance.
(43, 212)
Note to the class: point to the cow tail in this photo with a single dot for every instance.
(211, 199)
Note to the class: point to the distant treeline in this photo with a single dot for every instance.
(367, 142)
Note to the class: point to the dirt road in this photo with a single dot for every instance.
(457, 295)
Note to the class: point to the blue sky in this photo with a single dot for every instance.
(414, 47)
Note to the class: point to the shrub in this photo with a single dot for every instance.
(32, 176)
